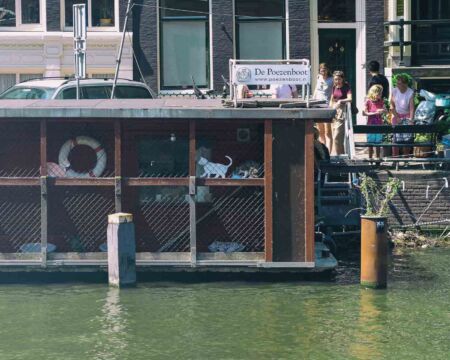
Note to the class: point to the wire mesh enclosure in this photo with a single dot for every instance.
(20, 219)
(192, 187)
(19, 149)
(230, 150)
(161, 216)
(156, 150)
(78, 218)
(231, 220)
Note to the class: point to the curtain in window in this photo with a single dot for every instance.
(6, 81)
(184, 53)
(30, 12)
(261, 40)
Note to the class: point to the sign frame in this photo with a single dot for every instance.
(295, 71)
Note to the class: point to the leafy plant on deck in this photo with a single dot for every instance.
(377, 198)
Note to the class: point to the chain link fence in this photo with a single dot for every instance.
(156, 150)
(233, 151)
(19, 149)
(231, 220)
(78, 218)
(20, 219)
(162, 219)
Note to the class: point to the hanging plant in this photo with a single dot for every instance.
(377, 198)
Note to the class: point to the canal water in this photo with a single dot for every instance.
(236, 320)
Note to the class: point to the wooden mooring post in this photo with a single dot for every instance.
(121, 250)
(374, 252)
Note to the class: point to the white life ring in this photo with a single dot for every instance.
(63, 158)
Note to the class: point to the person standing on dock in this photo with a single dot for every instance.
(341, 94)
(324, 85)
(373, 109)
(378, 79)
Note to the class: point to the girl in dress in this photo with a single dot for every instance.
(373, 109)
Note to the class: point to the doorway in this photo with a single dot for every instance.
(337, 48)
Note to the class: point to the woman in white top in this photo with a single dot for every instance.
(324, 86)
(402, 107)
(283, 91)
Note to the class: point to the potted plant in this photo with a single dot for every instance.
(374, 244)
(440, 150)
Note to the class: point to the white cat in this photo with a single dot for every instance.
(210, 168)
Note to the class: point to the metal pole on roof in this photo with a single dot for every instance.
(119, 55)
(79, 43)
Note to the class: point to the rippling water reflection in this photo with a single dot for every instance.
(236, 320)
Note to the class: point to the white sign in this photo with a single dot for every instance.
(264, 74)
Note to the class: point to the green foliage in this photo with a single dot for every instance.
(418, 138)
(377, 198)
(409, 77)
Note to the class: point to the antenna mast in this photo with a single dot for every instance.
(119, 55)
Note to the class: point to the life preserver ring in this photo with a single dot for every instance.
(63, 158)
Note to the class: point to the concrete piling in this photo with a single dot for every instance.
(121, 250)
(374, 252)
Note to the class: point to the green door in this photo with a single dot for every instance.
(337, 48)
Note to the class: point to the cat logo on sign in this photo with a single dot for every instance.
(243, 74)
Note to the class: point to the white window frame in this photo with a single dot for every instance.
(27, 27)
(89, 11)
(188, 91)
(285, 31)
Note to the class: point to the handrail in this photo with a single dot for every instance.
(401, 43)
(349, 140)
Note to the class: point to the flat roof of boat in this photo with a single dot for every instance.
(155, 108)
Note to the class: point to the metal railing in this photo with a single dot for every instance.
(402, 43)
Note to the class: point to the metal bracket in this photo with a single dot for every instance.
(44, 185)
(192, 188)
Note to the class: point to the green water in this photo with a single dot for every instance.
(236, 320)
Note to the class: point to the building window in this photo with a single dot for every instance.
(99, 13)
(260, 29)
(184, 42)
(6, 81)
(17, 13)
(336, 11)
(9, 80)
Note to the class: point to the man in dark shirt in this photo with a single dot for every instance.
(378, 79)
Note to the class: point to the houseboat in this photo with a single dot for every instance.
(209, 187)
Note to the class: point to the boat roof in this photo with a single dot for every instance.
(56, 83)
(168, 108)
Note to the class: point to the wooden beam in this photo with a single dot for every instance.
(43, 147)
(192, 148)
(44, 192)
(192, 192)
(268, 182)
(309, 191)
(231, 182)
(118, 165)
(14, 181)
(84, 181)
(118, 148)
(156, 181)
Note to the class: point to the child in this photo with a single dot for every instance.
(373, 109)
